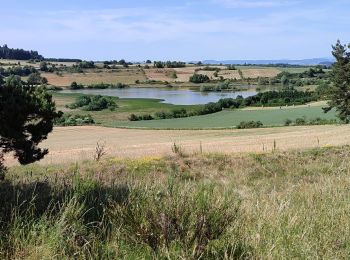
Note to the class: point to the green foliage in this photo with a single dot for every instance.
(146, 117)
(199, 78)
(221, 86)
(210, 206)
(317, 121)
(288, 96)
(83, 217)
(34, 79)
(186, 219)
(269, 98)
(324, 90)
(231, 67)
(43, 66)
(172, 74)
(169, 64)
(26, 118)
(105, 86)
(18, 70)
(85, 65)
(249, 124)
(288, 122)
(312, 76)
(340, 99)
(73, 120)
(209, 68)
(94, 103)
(179, 113)
(18, 54)
(75, 85)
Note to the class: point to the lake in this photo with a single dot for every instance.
(168, 95)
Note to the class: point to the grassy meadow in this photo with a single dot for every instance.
(126, 106)
(226, 119)
(231, 118)
(281, 205)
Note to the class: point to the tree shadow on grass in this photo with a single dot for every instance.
(31, 201)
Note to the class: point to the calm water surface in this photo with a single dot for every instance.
(168, 95)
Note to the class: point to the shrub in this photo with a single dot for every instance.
(186, 218)
(288, 122)
(199, 78)
(249, 124)
(134, 117)
(75, 85)
(74, 120)
(94, 103)
(300, 121)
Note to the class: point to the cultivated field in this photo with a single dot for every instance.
(126, 76)
(184, 74)
(78, 143)
(231, 118)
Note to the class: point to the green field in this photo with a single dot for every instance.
(230, 118)
(224, 119)
(126, 106)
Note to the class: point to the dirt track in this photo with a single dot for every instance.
(78, 143)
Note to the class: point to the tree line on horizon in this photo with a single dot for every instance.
(18, 54)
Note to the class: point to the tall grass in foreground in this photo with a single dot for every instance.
(211, 206)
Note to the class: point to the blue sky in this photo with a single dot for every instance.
(176, 30)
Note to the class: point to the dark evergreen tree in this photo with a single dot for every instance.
(340, 92)
(26, 118)
(18, 54)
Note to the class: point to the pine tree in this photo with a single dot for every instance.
(340, 92)
(27, 114)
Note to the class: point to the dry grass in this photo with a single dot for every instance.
(281, 205)
(265, 73)
(78, 143)
(184, 74)
(126, 76)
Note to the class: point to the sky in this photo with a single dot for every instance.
(190, 30)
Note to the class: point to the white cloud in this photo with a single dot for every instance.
(134, 32)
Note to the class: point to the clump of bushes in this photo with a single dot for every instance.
(172, 74)
(75, 85)
(94, 103)
(208, 68)
(169, 64)
(250, 124)
(285, 97)
(303, 121)
(270, 98)
(221, 86)
(74, 120)
(134, 117)
(209, 108)
(18, 70)
(199, 78)
(105, 86)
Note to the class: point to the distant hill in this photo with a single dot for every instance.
(18, 54)
(314, 61)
